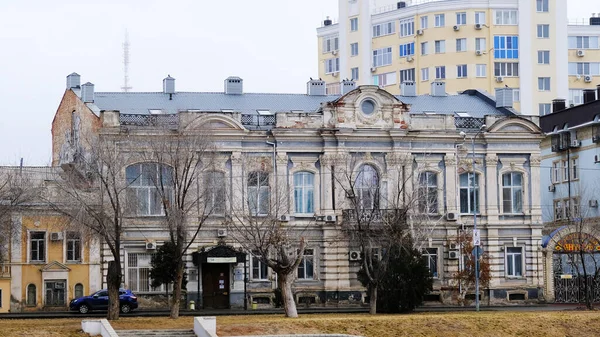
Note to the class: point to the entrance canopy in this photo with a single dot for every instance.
(218, 254)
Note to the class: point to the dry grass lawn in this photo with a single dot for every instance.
(526, 324)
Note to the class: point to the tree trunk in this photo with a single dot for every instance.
(177, 290)
(113, 279)
(285, 284)
(373, 299)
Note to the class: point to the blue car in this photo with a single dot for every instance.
(99, 301)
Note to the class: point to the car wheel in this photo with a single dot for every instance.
(84, 309)
(125, 308)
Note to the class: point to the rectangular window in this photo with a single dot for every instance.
(480, 18)
(354, 49)
(407, 75)
(73, 247)
(330, 43)
(332, 65)
(506, 17)
(558, 210)
(469, 193)
(544, 83)
(543, 56)
(424, 47)
(512, 193)
(506, 69)
(514, 262)
(542, 5)
(214, 182)
(407, 27)
(407, 49)
(386, 79)
(461, 45)
(382, 57)
(304, 192)
(424, 22)
(506, 47)
(138, 272)
(258, 193)
(37, 246)
(584, 68)
(584, 42)
(461, 18)
(259, 269)
(354, 73)
(481, 70)
(565, 166)
(306, 267)
(556, 177)
(574, 169)
(428, 193)
(480, 44)
(430, 255)
(353, 24)
(575, 97)
(543, 31)
(440, 46)
(461, 71)
(544, 108)
(440, 72)
(516, 95)
(440, 20)
(382, 29)
(424, 74)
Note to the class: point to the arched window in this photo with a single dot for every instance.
(367, 187)
(428, 193)
(147, 184)
(214, 185)
(78, 290)
(512, 192)
(304, 192)
(31, 295)
(469, 193)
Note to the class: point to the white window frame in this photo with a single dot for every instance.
(462, 71)
(383, 29)
(383, 80)
(30, 246)
(474, 187)
(382, 57)
(424, 22)
(408, 75)
(461, 45)
(514, 190)
(574, 168)
(304, 265)
(544, 84)
(461, 18)
(353, 24)
(424, 48)
(480, 18)
(556, 175)
(430, 254)
(481, 70)
(504, 67)
(354, 49)
(516, 95)
(543, 56)
(139, 189)
(73, 238)
(584, 42)
(261, 267)
(424, 74)
(440, 20)
(481, 44)
(306, 190)
(543, 31)
(544, 109)
(584, 68)
(354, 73)
(332, 65)
(331, 43)
(440, 46)
(511, 258)
(506, 17)
(428, 184)
(575, 96)
(542, 6)
(260, 192)
(439, 71)
(409, 49)
(407, 27)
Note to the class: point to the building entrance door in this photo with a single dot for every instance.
(215, 285)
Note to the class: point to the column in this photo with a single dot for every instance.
(491, 188)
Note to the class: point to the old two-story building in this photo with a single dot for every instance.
(570, 184)
(286, 143)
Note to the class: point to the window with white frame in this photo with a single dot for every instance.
(386, 79)
(516, 95)
(440, 46)
(558, 210)
(354, 24)
(428, 192)
(430, 255)
(461, 18)
(481, 70)
(73, 247)
(138, 272)
(306, 269)
(565, 167)
(574, 168)
(354, 49)
(424, 22)
(367, 187)
(440, 72)
(469, 193)
(584, 42)
(480, 18)
(440, 20)
(542, 5)
(506, 17)
(258, 192)
(407, 49)
(544, 108)
(506, 69)
(146, 184)
(382, 29)
(332, 88)
(512, 192)
(330, 43)
(407, 27)
(407, 75)
(259, 269)
(332, 65)
(424, 48)
(514, 261)
(214, 189)
(575, 96)
(37, 246)
(543, 56)
(461, 71)
(506, 47)
(584, 68)
(461, 45)
(543, 31)
(556, 172)
(480, 44)
(382, 57)
(424, 74)
(354, 73)
(304, 186)
(544, 83)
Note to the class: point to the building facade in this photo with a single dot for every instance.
(526, 45)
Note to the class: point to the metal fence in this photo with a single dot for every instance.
(170, 121)
(468, 122)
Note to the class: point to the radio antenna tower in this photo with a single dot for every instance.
(126, 86)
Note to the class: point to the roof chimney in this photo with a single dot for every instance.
(504, 97)
(169, 85)
(401, 4)
(347, 86)
(87, 92)
(73, 81)
(595, 20)
(589, 95)
(315, 87)
(438, 89)
(234, 85)
(408, 88)
(558, 105)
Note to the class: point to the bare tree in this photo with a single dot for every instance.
(465, 278)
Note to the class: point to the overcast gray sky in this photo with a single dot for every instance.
(271, 44)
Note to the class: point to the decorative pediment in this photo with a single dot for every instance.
(55, 266)
(514, 125)
(215, 122)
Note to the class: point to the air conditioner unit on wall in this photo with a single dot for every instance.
(409, 58)
(420, 32)
(221, 232)
(478, 52)
(456, 28)
(373, 69)
(330, 218)
(575, 143)
(150, 245)
(284, 218)
(451, 216)
(587, 78)
(551, 188)
(593, 203)
(581, 53)
(596, 159)
(334, 52)
(56, 236)
(453, 246)
(453, 255)
(354, 255)
(478, 26)
(499, 79)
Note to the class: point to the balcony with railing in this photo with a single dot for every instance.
(167, 121)
(4, 270)
(259, 122)
(468, 123)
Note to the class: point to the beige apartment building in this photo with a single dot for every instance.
(527, 45)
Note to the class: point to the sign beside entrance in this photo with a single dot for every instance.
(476, 237)
(576, 242)
(566, 276)
(221, 259)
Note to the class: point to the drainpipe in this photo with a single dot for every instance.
(274, 145)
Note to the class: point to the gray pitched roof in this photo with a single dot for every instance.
(471, 104)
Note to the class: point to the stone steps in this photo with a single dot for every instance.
(157, 333)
